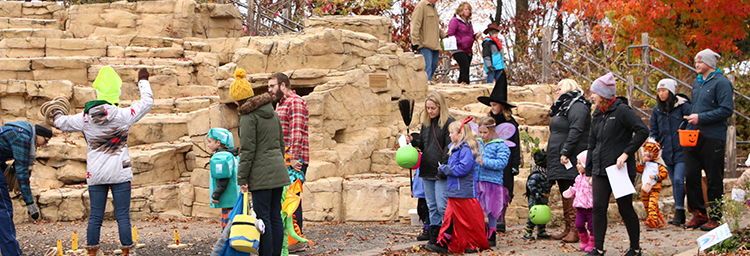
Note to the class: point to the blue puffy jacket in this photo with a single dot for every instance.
(495, 155)
(460, 172)
(664, 126)
(492, 55)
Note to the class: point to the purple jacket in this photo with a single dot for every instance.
(464, 34)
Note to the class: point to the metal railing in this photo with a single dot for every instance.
(546, 60)
(265, 20)
(648, 63)
(447, 70)
(591, 61)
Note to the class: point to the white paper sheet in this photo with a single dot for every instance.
(402, 141)
(450, 44)
(568, 165)
(620, 181)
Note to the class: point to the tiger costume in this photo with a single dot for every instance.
(651, 198)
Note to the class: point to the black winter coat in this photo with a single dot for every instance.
(515, 152)
(569, 135)
(537, 187)
(611, 135)
(664, 126)
(434, 147)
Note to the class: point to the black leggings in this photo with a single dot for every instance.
(602, 190)
(464, 62)
(563, 184)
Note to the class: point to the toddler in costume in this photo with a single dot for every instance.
(584, 204)
(463, 224)
(224, 162)
(491, 194)
(537, 191)
(652, 173)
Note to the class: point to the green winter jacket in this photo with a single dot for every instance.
(262, 146)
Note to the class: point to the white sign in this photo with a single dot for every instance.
(715, 236)
(620, 181)
(450, 44)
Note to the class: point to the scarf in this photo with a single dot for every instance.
(562, 104)
(539, 169)
(497, 41)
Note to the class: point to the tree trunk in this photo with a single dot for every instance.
(522, 17)
(498, 12)
(559, 22)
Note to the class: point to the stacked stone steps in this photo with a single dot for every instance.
(10, 23)
(33, 32)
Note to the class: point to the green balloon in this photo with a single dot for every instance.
(540, 214)
(407, 157)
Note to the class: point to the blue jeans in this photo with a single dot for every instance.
(434, 194)
(677, 175)
(430, 61)
(492, 76)
(267, 205)
(121, 201)
(8, 243)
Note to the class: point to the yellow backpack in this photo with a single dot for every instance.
(244, 236)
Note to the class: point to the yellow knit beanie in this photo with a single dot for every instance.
(240, 89)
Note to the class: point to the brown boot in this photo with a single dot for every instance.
(92, 250)
(128, 250)
(570, 223)
(567, 207)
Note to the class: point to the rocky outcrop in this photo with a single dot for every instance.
(192, 51)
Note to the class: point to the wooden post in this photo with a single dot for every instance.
(731, 153)
(645, 62)
(547, 55)
(250, 19)
(446, 65)
(630, 89)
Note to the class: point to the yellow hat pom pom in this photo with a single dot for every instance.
(240, 89)
(239, 73)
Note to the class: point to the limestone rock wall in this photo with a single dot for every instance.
(353, 125)
(192, 51)
(174, 19)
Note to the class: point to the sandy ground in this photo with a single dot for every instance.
(342, 239)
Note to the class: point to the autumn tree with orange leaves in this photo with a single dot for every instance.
(680, 27)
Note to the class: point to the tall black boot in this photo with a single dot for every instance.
(425, 234)
(493, 239)
(433, 245)
(679, 218)
(434, 232)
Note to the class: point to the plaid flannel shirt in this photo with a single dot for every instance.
(294, 119)
(15, 143)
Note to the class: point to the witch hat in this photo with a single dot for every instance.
(499, 93)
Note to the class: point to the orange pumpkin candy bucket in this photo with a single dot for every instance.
(688, 138)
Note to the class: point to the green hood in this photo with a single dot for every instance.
(108, 85)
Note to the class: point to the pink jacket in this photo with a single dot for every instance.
(581, 190)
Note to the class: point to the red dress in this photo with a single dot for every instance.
(468, 225)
